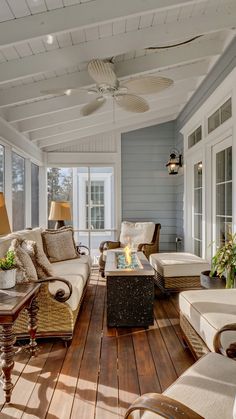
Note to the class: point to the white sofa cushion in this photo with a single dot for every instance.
(77, 282)
(178, 264)
(72, 267)
(136, 233)
(208, 388)
(209, 310)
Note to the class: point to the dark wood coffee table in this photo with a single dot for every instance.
(12, 302)
(130, 293)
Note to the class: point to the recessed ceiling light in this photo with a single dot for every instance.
(68, 92)
(50, 39)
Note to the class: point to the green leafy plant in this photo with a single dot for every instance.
(8, 262)
(224, 261)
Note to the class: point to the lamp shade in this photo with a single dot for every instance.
(4, 222)
(60, 210)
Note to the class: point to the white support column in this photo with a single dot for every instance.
(43, 202)
(118, 195)
(8, 181)
(27, 193)
(75, 203)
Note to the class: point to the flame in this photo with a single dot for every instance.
(127, 251)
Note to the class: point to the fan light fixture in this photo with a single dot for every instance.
(50, 39)
(174, 162)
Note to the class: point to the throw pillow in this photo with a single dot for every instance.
(25, 268)
(39, 259)
(59, 244)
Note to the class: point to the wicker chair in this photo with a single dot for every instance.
(146, 248)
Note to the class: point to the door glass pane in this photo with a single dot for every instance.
(197, 209)
(18, 192)
(34, 195)
(1, 168)
(59, 188)
(223, 195)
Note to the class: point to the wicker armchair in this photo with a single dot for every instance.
(146, 248)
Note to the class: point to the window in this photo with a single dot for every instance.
(220, 116)
(18, 192)
(34, 195)
(59, 187)
(195, 137)
(1, 168)
(223, 195)
(95, 211)
(197, 209)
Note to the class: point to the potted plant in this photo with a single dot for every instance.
(7, 271)
(224, 261)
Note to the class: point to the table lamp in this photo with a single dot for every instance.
(60, 211)
(4, 222)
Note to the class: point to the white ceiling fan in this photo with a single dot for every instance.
(125, 94)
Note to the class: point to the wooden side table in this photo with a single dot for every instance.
(12, 302)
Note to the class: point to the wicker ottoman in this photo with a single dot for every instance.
(177, 271)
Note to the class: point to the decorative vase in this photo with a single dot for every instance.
(230, 276)
(209, 282)
(7, 279)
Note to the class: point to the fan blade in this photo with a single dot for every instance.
(92, 106)
(132, 103)
(148, 84)
(102, 72)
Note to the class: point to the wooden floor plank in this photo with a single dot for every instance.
(107, 392)
(148, 379)
(104, 369)
(86, 390)
(128, 377)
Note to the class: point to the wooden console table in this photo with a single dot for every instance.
(12, 302)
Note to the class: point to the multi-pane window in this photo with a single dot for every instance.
(18, 192)
(1, 168)
(220, 115)
(195, 137)
(95, 208)
(197, 209)
(223, 195)
(60, 187)
(34, 195)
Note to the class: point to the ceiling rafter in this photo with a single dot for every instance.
(140, 65)
(80, 16)
(115, 45)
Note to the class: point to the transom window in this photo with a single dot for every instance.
(221, 115)
(195, 137)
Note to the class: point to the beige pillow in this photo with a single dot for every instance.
(59, 244)
(39, 259)
(25, 268)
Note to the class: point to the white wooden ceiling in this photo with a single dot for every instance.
(87, 29)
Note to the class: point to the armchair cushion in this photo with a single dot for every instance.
(136, 233)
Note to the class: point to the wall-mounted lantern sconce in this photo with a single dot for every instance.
(174, 163)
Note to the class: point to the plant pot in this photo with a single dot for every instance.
(208, 281)
(7, 279)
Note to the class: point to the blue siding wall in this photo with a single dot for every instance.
(148, 191)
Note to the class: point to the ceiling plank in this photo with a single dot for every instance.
(115, 45)
(140, 65)
(80, 16)
(127, 118)
(73, 113)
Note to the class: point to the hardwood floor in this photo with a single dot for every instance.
(103, 370)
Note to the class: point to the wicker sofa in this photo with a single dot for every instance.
(59, 301)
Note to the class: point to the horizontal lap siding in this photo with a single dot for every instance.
(148, 192)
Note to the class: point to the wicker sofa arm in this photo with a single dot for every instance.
(163, 406)
(231, 350)
(108, 245)
(60, 294)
